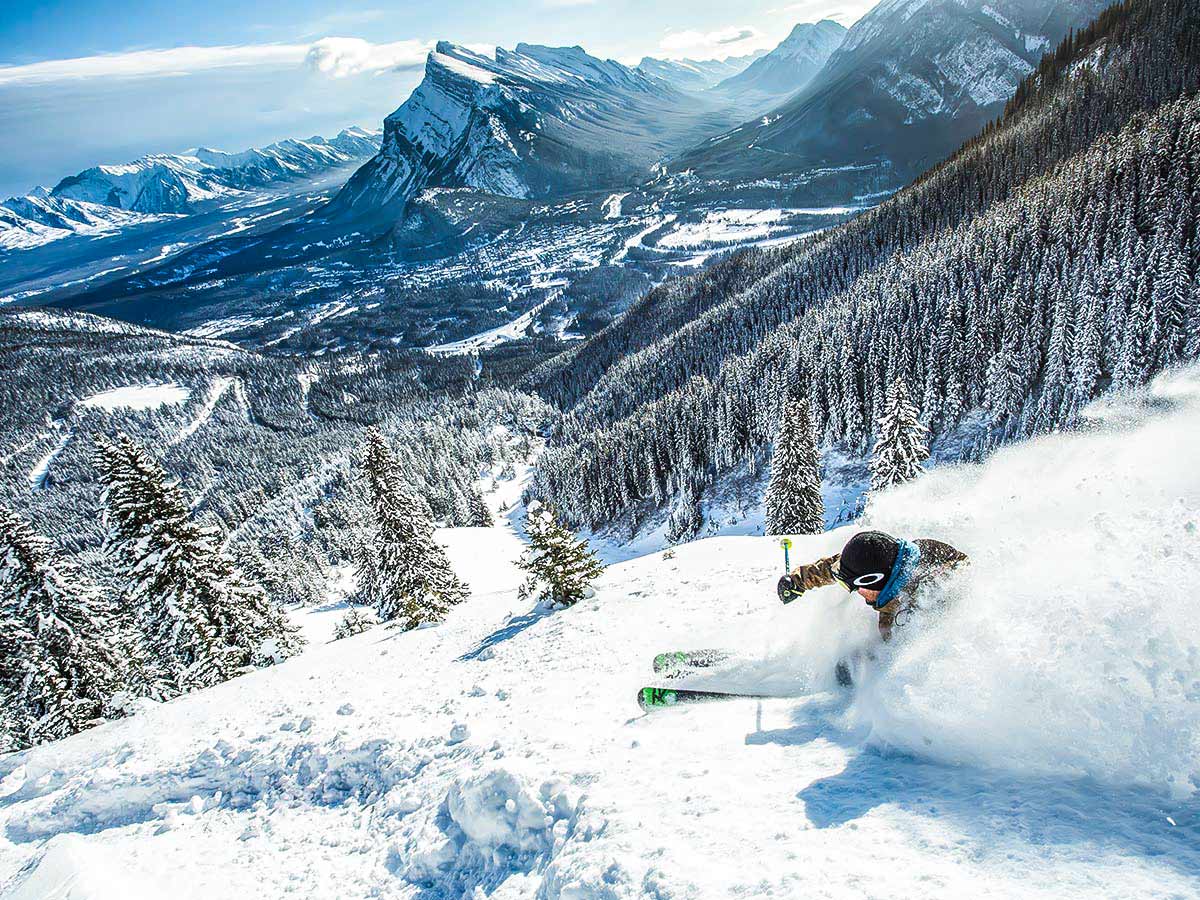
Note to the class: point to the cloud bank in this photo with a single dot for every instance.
(731, 41)
(335, 57)
(341, 57)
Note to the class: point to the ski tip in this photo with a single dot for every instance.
(654, 697)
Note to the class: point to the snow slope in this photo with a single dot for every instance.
(1039, 739)
(138, 396)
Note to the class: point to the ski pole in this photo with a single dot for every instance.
(787, 545)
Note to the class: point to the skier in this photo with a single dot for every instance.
(887, 572)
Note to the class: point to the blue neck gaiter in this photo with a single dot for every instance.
(903, 568)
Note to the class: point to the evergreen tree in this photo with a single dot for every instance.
(794, 504)
(356, 621)
(8, 726)
(560, 566)
(480, 515)
(201, 619)
(283, 571)
(687, 518)
(404, 572)
(900, 446)
(58, 669)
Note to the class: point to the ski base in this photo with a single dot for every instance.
(659, 697)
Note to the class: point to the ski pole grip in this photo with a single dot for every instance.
(787, 545)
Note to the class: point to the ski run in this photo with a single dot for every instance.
(1040, 739)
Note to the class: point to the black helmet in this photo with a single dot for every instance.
(867, 560)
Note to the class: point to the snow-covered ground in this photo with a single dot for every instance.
(509, 331)
(1039, 739)
(138, 396)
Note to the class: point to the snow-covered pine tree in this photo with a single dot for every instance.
(8, 727)
(279, 563)
(900, 445)
(560, 566)
(408, 578)
(794, 504)
(58, 668)
(481, 516)
(201, 619)
(356, 621)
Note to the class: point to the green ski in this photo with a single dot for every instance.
(657, 697)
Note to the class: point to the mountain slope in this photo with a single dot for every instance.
(109, 197)
(963, 285)
(1036, 740)
(696, 75)
(787, 68)
(531, 122)
(912, 80)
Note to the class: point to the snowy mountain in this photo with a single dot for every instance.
(109, 197)
(787, 68)
(912, 80)
(1035, 739)
(696, 75)
(40, 217)
(530, 122)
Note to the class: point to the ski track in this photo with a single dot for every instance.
(216, 392)
(502, 755)
(509, 331)
(636, 240)
(41, 470)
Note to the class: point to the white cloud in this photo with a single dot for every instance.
(845, 11)
(339, 57)
(154, 63)
(732, 41)
(335, 57)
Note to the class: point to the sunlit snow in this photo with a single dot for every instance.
(138, 396)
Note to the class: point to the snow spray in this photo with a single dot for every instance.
(1068, 644)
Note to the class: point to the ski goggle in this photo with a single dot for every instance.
(871, 581)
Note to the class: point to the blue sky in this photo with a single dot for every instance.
(89, 82)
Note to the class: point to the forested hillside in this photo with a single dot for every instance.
(255, 439)
(1051, 258)
(165, 499)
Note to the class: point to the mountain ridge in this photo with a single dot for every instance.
(107, 197)
(697, 74)
(534, 121)
(911, 81)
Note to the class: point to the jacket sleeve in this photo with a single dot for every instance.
(940, 557)
(815, 575)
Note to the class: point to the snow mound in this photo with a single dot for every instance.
(491, 829)
(1069, 645)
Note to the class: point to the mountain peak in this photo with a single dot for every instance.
(552, 119)
(787, 68)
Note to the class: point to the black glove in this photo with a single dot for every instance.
(789, 589)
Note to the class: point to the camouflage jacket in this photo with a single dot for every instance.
(937, 559)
